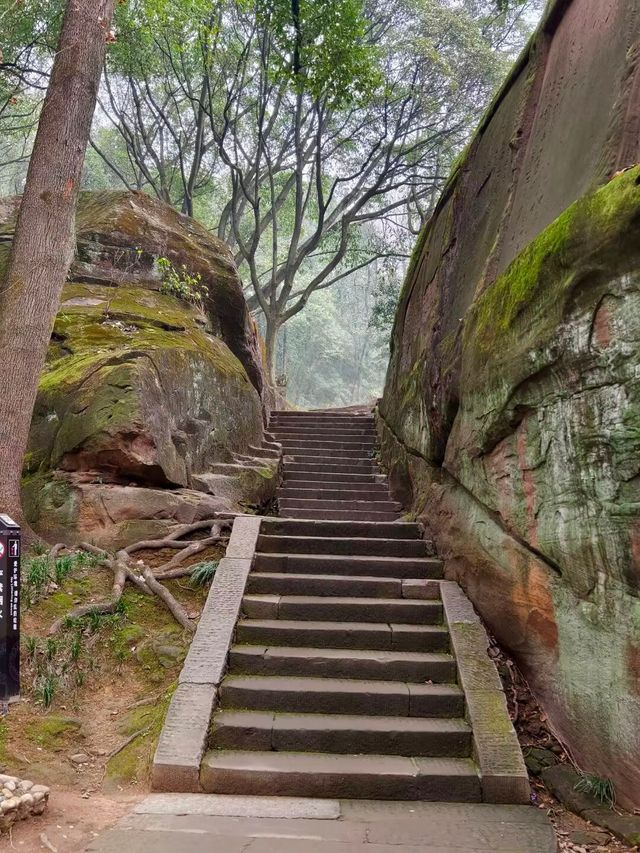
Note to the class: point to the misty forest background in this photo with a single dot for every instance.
(320, 193)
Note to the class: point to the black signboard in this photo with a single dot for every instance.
(10, 546)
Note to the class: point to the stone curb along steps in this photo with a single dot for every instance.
(331, 659)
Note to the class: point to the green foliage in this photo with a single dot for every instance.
(36, 575)
(333, 357)
(386, 296)
(321, 47)
(181, 283)
(602, 790)
(45, 689)
(40, 571)
(203, 573)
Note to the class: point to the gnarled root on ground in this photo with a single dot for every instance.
(146, 579)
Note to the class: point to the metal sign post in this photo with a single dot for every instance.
(10, 548)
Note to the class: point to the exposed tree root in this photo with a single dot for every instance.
(172, 604)
(148, 580)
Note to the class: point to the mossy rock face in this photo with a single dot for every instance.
(511, 410)
(535, 503)
(141, 390)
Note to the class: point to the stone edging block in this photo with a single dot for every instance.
(176, 764)
(503, 772)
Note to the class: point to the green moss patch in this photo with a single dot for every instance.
(551, 262)
(54, 733)
(142, 726)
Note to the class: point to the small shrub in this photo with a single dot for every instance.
(203, 573)
(51, 648)
(602, 790)
(40, 571)
(31, 646)
(75, 647)
(181, 283)
(46, 689)
(37, 575)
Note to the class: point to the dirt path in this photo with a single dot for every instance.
(69, 823)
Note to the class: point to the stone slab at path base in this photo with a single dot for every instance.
(197, 823)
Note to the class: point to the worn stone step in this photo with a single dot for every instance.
(320, 417)
(359, 664)
(321, 609)
(340, 696)
(356, 443)
(349, 546)
(336, 434)
(393, 530)
(372, 777)
(346, 492)
(316, 564)
(335, 488)
(311, 454)
(348, 506)
(282, 583)
(318, 477)
(343, 514)
(364, 466)
(348, 484)
(343, 635)
(342, 734)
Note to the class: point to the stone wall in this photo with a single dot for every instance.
(511, 415)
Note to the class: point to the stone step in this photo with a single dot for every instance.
(364, 466)
(318, 478)
(367, 665)
(374, 777)
(390, 567)
(343, 635)
(393, 530)
(322, 608)
(295, 512)
(349, 546)
(353, 488)
(333, 505)
(326, 427)
(366, 445)
(371, 493)
(321, 418)
(314, 454)
(341, 734)
(336, 434)
(281, 583)
(336, 489)
(340, 696)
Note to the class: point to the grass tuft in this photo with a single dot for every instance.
(203, 573)
(602, 790)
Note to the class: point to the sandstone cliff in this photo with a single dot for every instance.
(151, 406)
(511, 415)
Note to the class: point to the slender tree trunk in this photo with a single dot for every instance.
(44, 240)
(270, 344)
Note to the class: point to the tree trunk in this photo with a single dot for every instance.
(44, 240)
(270, 344)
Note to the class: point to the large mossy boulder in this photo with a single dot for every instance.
(510, 421)
(145, 393)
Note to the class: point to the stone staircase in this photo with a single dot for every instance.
(341, 682)
(329, 472)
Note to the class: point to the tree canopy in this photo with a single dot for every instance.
(313, 136)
